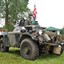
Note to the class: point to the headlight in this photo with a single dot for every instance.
(25, 18)
(23, 28)
(40, 32)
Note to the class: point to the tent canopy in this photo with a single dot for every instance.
(52, 29)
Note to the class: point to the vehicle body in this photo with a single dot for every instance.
(31, 40)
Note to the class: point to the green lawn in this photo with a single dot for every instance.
(13, 57)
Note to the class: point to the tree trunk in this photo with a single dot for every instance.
(6, 16)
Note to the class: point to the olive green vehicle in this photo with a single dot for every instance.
(31, 39)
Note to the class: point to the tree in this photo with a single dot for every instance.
(10, 9)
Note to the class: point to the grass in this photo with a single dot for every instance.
(13, 57)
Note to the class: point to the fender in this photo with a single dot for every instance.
(27, 35)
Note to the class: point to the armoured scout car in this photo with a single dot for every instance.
(31, 39)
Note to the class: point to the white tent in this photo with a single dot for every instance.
(2, 22)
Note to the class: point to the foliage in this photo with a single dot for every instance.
(10, 27)
(10, 9)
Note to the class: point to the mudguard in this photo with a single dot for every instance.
(3, 33)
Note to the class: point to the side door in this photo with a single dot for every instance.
(14, 38)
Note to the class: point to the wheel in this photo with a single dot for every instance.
(29, 49)
(3, 48)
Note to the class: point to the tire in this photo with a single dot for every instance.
(29, 49)
(3, 48)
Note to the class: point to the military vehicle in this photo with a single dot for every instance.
(31, 39)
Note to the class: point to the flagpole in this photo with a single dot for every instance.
(34, 13)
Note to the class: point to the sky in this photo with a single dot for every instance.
(49, 12)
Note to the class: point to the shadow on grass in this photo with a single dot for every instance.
(48, 56)
(41, 56)
(14, 52)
